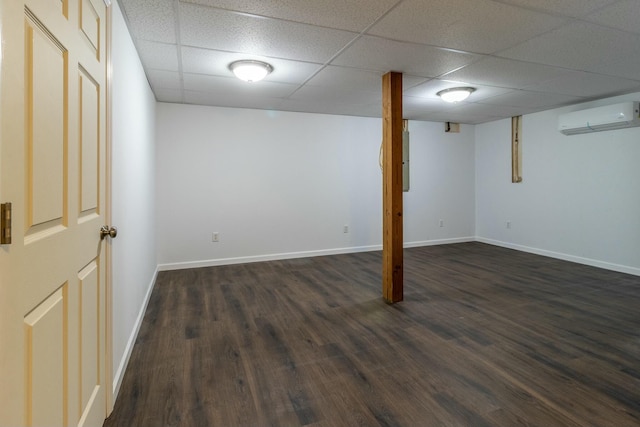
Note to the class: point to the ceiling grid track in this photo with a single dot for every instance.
(327, 56)
(176, 10)
(345, 47)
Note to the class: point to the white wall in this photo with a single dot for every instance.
(280, 184)
(580, 195)
(442, 185)
(133, 189)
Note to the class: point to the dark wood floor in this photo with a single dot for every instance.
(486, 336)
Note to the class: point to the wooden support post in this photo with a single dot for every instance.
(392, 259)
(516, 149)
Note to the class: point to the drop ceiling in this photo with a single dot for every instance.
(522, 56)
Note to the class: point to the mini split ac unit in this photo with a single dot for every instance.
(617, 116)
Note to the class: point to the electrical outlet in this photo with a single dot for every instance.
(509, 224)
(215, 236)
(345, 229)
(441, 223)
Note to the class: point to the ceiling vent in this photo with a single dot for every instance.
(610, 117)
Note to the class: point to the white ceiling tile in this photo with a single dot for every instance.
(490, 110)
(557, 52)
(338, 95)
(409, 81)
(586, 47)
(341, 14)
(431, 88)
(450, 116)
(312, 106)
(348, 78)
(231, 100)
(377, 54)
(168, 95)
(215, 62)
(357, 79)
(579, 83)
(574, 8)
(506, 73)
(158, 56)
(151, 19)
(236, 32)
(481, 26)
(624, 15)
(164, 79)
(532, 100)
(412, 105)
(234, 86)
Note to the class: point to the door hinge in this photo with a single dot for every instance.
(5, 224)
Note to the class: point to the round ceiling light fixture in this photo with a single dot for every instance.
(249, 70)
(455, 94)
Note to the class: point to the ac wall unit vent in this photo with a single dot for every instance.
(610, 117)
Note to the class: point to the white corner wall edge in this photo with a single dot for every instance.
(122, 366)
(565, 257)
(303, 254)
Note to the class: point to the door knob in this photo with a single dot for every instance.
(105, 231)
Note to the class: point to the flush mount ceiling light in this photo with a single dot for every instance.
(455, 94)
(249, 70)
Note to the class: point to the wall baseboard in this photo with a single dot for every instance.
(302, 254)
(337, 251)
(565, 257)
(269, 257)
(418, 244)
(124, 361)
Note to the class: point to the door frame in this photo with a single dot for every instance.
(107, 245)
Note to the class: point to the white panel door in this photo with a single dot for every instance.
(52, 170)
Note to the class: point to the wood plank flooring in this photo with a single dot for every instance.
(486, 336)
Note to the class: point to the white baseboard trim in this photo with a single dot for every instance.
(439, 242)
(124, 361)
(302, 254)
(580, 260)
(269, 257)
